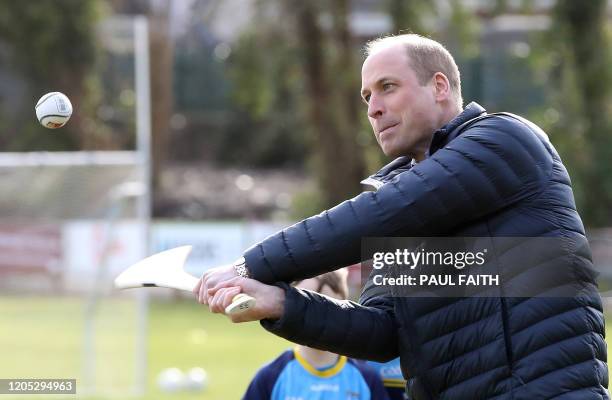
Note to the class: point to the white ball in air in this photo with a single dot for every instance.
(53, 110)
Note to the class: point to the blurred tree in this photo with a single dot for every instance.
(461, 35)
(408, 15)
(297, 71)
(265, 82)
(51, 46)
(162, 61)
(575, 60)
(583, 26)
(331, 96)
(161, 55)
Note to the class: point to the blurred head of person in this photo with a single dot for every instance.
(333, 284)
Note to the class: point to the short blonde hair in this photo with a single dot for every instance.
(426, 57)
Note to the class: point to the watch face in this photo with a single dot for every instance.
(240, 267)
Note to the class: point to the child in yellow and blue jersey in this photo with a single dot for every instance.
(305, 373)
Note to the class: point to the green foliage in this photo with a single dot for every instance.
(408, 15)
(266, 82)
(462, 38)
(574, 61)
(50, 46)
(463, 33)
(306, 203)
(200, 81)
(56, 36)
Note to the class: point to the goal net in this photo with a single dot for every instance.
(69, 223)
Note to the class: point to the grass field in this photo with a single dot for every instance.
(43, 337)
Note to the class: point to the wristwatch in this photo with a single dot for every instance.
(241, 268)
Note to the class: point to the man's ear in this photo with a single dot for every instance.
(442, 89)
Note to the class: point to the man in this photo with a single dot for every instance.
(307, 373)
(474, 174)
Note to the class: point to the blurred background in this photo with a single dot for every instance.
(215, 123)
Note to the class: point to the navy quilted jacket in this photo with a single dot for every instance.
(485, 175)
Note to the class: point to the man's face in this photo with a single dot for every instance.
(402, 113)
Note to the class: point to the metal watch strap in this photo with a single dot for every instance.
(241, 268)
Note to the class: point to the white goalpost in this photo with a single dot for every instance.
(69, 223)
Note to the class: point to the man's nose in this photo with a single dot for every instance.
(375, 107)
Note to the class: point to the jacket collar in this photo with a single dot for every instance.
(389, 171)
(440, 138)
(448, 132)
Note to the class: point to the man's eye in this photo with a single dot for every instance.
(387, 86)
(366, 98)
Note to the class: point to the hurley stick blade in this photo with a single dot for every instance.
(163, 269)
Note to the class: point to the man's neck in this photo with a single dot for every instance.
(317, 358)
(450, 113)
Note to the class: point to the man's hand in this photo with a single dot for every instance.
(211, 278)
(270, 300)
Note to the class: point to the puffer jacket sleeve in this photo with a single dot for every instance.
(321, 322)
(493, 164)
